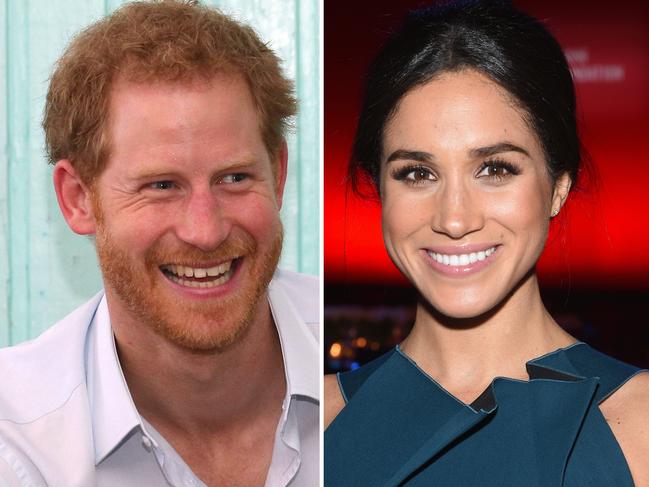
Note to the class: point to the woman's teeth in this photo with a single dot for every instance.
(461, 259)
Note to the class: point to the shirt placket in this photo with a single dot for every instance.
(286, 451)
(174, 470)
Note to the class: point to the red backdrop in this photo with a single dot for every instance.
(602, 240)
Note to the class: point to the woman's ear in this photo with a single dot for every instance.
(74, 198)
(561, 190)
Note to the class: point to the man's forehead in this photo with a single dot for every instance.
(167, 126)
(224, 102)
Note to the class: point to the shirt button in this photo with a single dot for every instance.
(146, 443)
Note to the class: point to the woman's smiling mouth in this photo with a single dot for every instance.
(461, 261)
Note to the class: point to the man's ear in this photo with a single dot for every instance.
(281, 171)
(74, 198)
(561, 190)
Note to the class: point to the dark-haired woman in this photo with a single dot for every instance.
(468, 132)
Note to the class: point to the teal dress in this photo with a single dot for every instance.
(400, 427)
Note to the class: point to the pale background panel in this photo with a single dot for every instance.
(45, 269)
(4, 187)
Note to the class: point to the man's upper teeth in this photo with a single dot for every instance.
(181, 270)
(461, 259)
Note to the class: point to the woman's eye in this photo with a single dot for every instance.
(162, 185)
(414, 175)
(419, 175)
(497, 170)
(233, 178)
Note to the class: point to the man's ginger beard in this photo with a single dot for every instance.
(207, 325)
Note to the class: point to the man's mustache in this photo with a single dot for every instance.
(233, 247)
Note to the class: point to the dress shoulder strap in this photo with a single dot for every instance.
(611, 372)
(352, 380)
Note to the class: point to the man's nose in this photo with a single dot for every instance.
(203, 222)
(457, 210)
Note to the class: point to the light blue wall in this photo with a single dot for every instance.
(45, 269)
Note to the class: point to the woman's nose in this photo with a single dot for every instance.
(457, 211)
(203, 222)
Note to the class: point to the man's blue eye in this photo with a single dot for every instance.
(162, 185)
(233, 178)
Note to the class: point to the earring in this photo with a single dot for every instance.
(555, 212)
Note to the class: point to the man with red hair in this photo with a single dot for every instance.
(198, 363)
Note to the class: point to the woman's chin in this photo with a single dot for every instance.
(463, 312)
(457, 309)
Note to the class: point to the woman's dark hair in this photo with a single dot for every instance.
(508, 46)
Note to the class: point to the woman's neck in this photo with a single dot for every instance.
(465, 355)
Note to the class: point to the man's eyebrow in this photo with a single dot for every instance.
(410, 155)
(490, 150)
(151, 173)
(171, 170)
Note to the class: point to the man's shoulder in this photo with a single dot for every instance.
(44, 405)
(41, 374)
(303, 291)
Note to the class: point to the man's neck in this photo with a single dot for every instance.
(200, 394)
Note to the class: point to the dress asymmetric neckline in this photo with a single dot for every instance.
(486, 400)
(400, 427)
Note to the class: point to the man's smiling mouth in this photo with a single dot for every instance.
(200, 277)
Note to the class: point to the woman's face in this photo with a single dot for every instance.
(466, 193)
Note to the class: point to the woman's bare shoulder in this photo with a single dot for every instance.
(333, 399)
(627, 413)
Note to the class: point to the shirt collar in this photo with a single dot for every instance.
(299, 345)
(112, 409)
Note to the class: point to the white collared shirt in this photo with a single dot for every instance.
(67, 418)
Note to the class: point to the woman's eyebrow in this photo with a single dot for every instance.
(490, 150)
(410, 155)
